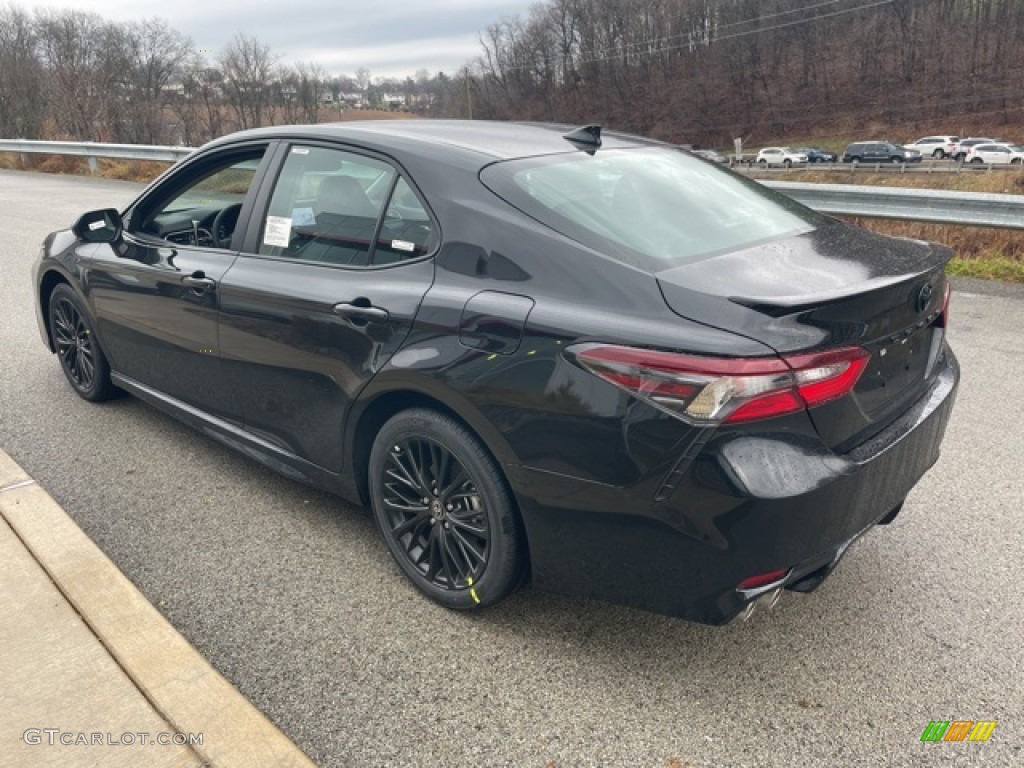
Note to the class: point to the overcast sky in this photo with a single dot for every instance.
(388, 37)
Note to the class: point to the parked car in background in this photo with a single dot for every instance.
(936, 146)
(816, 155)
(994, 154)
(712, 155)
(783, 156)
(963, 147)
(590, 358)
(880, 152)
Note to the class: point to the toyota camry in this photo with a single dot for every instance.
(588, 359)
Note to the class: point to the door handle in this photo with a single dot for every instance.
(199, 281)
(361, 309)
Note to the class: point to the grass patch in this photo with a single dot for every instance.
(990, 268)
(142, 171)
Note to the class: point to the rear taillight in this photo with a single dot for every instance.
(763, 579)
(942, 321)
(715, 390)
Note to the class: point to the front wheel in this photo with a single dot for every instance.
(977, 161)
(78, 350)
(445, 511)
(896, 160)
(788, 163)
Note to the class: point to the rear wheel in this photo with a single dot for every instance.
(444, 509)
(938, 154)
(74, 337)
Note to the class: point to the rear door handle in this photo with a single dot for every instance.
(362, 310)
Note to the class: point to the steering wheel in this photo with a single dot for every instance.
(228, 218)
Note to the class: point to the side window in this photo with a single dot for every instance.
(202, 207)
(407, 231)
(326, 206)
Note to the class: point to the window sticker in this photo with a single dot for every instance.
(303, 217)
(300, 151)
(403, 245)
(278, 231)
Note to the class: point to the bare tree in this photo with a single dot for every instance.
(86, 59)
(312, 88)
(22, 111)
(156, 56)
(247, 65)
(199, 103)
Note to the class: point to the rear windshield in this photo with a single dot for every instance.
(654, 208)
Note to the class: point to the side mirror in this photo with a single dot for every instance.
(103, 226)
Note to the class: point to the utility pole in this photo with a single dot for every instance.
(469, 95)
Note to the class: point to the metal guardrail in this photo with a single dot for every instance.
(978, 209)
(92, 150)
(930, 205)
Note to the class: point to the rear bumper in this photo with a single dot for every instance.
(744, 505)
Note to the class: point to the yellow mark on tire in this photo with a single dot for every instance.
(472, 589)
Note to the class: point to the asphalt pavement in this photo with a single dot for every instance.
(290, 594)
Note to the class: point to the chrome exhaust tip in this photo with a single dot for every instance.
(765, 602)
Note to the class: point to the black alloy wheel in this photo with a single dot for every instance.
(444, 510)
(74, 338)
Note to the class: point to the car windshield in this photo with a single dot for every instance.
(653, 208)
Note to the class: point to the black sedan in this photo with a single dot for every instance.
(816, 155)
(592, 360)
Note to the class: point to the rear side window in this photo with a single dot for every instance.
(655, 208)
(344, 209)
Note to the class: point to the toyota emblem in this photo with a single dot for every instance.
(924, 296)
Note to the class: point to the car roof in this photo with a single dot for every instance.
(483, 140)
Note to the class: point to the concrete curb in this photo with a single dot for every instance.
(173, 676)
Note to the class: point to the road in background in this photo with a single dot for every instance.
(293, 597)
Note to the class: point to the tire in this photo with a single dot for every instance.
(445, 511)
(763, 162)
(74, 337)
(788, 163)
(977, 161)
(854, 160)
(938, 154)
(895, 160)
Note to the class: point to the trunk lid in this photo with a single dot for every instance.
(835, 286)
